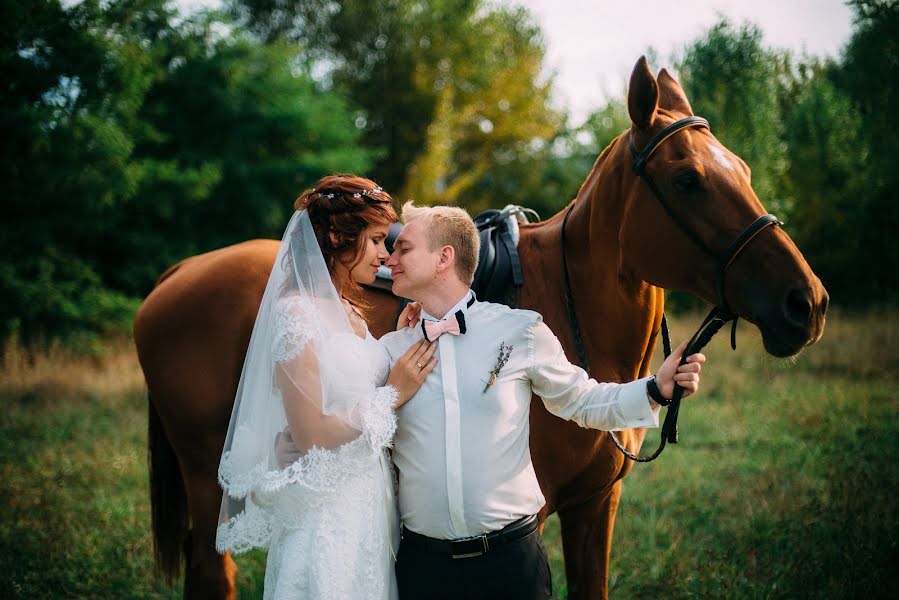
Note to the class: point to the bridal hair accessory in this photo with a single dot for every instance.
(501, 360)
(369, 193)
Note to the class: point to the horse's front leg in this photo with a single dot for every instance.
(587, 541)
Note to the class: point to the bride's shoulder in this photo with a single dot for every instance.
(292, 305)
(293, 312)
(295, 325)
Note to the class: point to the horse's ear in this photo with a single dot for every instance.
(671, 94)
(642, 95)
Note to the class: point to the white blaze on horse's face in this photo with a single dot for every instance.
(718, 155)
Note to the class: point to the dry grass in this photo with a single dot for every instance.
(62, 372)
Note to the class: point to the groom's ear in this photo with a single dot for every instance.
(447, 259)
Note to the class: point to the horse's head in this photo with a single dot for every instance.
(689, 202)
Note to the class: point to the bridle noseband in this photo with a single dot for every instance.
(719, 315)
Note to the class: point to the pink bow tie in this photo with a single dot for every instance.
(434, 329)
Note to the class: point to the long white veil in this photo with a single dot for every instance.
(304, 369)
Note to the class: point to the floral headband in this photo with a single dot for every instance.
(331, 195)
(369, 193)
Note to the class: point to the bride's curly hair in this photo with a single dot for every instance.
(340, 208)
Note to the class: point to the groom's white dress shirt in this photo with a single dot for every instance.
(462, 453)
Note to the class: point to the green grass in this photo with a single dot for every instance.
(783, 484)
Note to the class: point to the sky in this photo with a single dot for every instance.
(592, 45)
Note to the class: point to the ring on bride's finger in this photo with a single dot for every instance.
(419, 365)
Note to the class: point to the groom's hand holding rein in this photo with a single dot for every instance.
(671, 373)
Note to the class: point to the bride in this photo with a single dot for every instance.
(314, 376)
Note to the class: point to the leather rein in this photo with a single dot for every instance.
(717, 317)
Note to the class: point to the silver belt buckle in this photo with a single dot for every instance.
(483, 550)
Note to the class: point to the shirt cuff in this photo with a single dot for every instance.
(636, 409)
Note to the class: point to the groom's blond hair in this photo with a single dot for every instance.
(449, 226)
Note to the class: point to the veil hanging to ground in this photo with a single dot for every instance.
(305, 369)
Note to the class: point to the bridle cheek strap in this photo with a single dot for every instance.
(734, 250)
(723, 261)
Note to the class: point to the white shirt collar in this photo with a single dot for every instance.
(460, 305)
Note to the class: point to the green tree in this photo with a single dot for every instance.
(827, 178)
(385, 55)
(869, 76)
(71, 89)
(449, 90)
(135, 138)
(549, 175)
(233, 131)
(734, 81)
(492, 120)
(604, 125)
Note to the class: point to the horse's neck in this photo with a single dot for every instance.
(617, 312)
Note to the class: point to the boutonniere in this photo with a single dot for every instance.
(501, 360)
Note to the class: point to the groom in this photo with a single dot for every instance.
(468, 495)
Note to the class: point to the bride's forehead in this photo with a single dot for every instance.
(377, 228)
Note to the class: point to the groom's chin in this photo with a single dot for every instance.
(398, 290)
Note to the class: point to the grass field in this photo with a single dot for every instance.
(783, 486)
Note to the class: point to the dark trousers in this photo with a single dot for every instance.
(516, 571)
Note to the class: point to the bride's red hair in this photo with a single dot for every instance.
(344, 206)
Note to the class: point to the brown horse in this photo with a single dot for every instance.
(622, 248)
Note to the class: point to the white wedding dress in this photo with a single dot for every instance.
(331, 516)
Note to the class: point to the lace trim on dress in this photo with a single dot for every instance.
(319, 469)
(252, 528)
(379, 418)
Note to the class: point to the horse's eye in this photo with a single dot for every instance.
(688, 182)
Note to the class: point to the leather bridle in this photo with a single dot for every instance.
(719, 315)
(641, 158)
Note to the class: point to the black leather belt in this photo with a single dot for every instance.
(475, 545)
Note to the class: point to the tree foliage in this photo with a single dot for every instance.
(234, 130)
(732, 80)
(492, 118)
(868, 78)
(827, 178)
(134, 139)
(70, 96)
(135, 136)
(449, 90)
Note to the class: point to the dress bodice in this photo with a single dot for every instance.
(380, 358)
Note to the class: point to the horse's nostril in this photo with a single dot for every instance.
(798, 306)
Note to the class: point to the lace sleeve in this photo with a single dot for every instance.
(296, 323)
